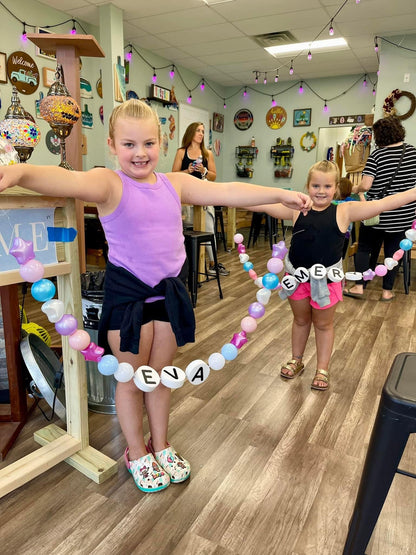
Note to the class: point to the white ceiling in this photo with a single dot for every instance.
(216, 42)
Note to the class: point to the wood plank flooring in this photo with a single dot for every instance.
(275, 465)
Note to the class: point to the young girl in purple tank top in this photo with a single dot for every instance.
(135, 138)
(318, 239)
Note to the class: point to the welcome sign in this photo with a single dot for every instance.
(30, 225)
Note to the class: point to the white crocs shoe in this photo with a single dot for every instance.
(147, 474)
(173, 464)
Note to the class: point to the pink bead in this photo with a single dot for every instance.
(275, 265)
(32, 271)
(398, 255)
(241, 249)
(238, 238)
(414, 224)
(93, 352)
(380, 270)
(252, 274)
(248, 324)
(239, 339)
(79, 340)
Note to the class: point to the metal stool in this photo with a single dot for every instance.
(270, 228)
(395, 421)
(193, 242)
(220, 220)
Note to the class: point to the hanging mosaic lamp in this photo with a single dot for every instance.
(61, 111)
(19, 128)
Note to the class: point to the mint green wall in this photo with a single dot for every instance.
(394, 63)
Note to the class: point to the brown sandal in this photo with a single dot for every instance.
(293, 366)
(321, 376)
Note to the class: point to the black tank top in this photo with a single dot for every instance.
(316, 239)
(186, 161)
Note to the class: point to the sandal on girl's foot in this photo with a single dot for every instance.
(173, 464)
(293, 366)
(147, 474)
(320, 376)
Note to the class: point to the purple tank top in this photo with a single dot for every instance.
(144, 233)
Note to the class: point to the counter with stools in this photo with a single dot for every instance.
(395, 421)
(193, 242)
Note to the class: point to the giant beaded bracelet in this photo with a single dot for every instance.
(145, 377)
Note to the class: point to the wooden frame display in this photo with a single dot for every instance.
(48, 76)
(302, 117)
(58, 445)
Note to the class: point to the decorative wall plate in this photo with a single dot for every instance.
(53, 142)
(243, 119)
(23, 72)
(131, 94)
(276, 117)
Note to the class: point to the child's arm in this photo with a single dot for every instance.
(91, 186)
(356, 211)
(194, 191)
(276, 210)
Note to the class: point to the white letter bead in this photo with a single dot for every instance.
(335, 275)
(353, 276)
(124, 372)
(289, 282)
(172, 377)
(146, 378)
(317, 271)
(197, 372)
(301, 274)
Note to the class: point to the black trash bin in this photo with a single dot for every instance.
(101, 389)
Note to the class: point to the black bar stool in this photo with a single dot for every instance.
(220, 220)
(270, 228)
(395, 421)
(193, 242)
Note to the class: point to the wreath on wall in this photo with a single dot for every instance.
(390, 101)
(309, 135)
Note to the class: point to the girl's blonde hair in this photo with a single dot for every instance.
(189, 135)
(133, 108)
(324, 166)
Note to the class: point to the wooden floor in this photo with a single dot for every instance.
(275, 465)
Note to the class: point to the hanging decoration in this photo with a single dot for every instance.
(53, 142)
(309, 136)
(243, 119)
(389, 104)
(355, 148)
(276, 117)
(23, 72)
(99, 85)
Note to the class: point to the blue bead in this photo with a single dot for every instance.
(406, 244)
(229, 351)
(107, 365)
(43, 290)
(270, 281)
(248, 266)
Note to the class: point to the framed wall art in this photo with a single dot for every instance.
(40, 52)
(302, 117)
(48, 75)
(3, 69)
(218, 122)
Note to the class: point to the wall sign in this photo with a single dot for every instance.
(159, 93)
(243, 119)
(276, 117)
(23, 72)
(346, 120)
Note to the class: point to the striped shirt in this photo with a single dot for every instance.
(381, 165)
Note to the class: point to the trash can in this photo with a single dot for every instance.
(101, 389)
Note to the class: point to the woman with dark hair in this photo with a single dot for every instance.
(390, 169)
(194, 158)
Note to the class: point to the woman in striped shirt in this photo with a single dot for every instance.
(381, 166)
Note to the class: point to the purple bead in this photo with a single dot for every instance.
(368, 275)
(256, 310)
(239, 339)
(279, 250)
(66, 325)
(22, 250)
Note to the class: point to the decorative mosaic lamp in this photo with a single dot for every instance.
(19, 128)
(61, 111)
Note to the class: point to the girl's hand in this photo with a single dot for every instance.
(199, 168)
(296, 201)
(191, 168)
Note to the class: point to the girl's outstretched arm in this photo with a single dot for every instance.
(356, 211)
(277, 210)
(90, 186)
(195, 191)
